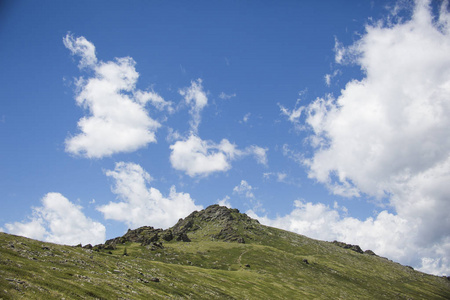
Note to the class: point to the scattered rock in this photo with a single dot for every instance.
(15, 280)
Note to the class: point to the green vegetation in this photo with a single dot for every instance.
(229, 256)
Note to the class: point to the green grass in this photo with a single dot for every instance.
(209, 269)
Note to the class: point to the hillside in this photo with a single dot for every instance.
(215, 253)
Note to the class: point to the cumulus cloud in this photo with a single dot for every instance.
(386, 136)
(196, 98)
(386, 234)
(141, 205)
(59, 221)
(197, 157)
(117, 119)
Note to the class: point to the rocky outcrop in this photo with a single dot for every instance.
(231, 222)
(355, 248)
(229, 234)
(144, 235)
(369, 252)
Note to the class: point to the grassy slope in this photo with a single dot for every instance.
(208, 269)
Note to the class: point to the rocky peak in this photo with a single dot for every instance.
(228, 224)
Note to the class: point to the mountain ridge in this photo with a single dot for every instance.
(213, 253)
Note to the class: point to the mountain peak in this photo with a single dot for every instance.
(212, 223)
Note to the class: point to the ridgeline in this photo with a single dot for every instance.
(216, 253)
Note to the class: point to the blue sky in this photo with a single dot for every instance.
(326, 118)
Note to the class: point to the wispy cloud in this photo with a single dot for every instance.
(196, 98)
(224, 96)
(244, 189)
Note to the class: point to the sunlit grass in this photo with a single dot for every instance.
(270, 265)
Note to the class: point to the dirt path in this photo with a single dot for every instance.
(240, 256)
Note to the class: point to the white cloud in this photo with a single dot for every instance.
(117, 119)
(293, 154)
(141, 205)
(386, 136)
(172, 135)
(339, 51)
(259, 153)
(82, 47)
(387, 234)
(197, 157)
(223, 202)
(293, 115)
(244, 189)
(196, 98)
(280, 177)
(328, 77)
(245, 118)
(224, 96)
(155, 99)
(59, 221)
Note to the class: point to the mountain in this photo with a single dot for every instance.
(216, 253)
